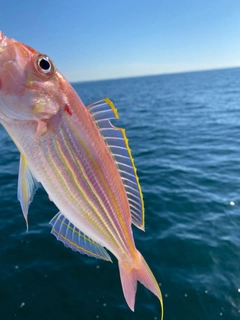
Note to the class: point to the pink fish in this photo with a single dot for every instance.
(82, 160)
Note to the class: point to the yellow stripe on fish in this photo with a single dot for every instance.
(83, 162)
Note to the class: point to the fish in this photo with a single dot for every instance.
(81, 159)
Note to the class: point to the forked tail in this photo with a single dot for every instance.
(142, 273)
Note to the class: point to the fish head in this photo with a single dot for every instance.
(30, 85)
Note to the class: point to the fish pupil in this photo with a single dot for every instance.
(44, 64)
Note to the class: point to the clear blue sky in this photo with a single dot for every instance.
(101, 39)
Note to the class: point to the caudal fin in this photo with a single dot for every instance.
(142, 273)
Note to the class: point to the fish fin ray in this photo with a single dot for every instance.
(142, 273)
(75, 239)
(41, 127)
(115, 138)
(27, 186)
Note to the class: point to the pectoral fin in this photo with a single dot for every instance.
(73, 238)
(42, 112)
(41, 128)
(27, 186)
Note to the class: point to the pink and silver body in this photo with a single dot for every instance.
(83, 162)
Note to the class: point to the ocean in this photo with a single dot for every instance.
(184, 133)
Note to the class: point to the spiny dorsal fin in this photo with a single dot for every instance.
(73, 238)
(115, 138)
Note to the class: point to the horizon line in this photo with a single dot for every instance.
(154, 75)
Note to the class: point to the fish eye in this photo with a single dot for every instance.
(44, 65)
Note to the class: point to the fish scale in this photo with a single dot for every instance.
(82, 161)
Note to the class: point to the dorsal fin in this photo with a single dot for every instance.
(115, 138)
(75, 239)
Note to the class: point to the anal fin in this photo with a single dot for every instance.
(75, 239)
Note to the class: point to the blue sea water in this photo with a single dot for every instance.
(184, 133)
